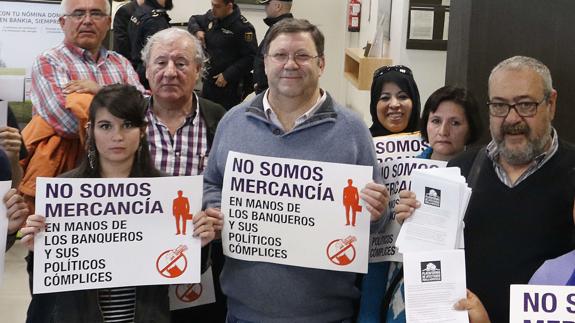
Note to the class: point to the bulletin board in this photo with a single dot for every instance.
(428, 24)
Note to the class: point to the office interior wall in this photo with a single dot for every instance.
(428, 65)
(330, 16)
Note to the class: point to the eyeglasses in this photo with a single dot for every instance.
(524, 109)
(395, 68)
(299, 58)
(79, 15)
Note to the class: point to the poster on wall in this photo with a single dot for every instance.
(32, 26)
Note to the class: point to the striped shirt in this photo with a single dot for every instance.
(118, 305)
(184, 153)
(56, 67)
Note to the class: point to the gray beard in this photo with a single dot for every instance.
(534, 148)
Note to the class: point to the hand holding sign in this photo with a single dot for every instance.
(376, 197)
(34, 224)
(203, 228)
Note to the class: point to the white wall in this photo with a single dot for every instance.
(428, 66)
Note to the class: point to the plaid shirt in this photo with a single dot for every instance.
(58, 66)
(184, 153)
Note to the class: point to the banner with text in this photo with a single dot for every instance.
(295, 212)
(103, 233)
(26, 30)
(535, 303)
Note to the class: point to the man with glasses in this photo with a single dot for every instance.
(78, 64)
(230, 40)
(294, 118)
(520, 212)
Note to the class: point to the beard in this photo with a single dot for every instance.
(534, 147)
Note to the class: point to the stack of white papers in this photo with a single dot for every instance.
(438, 223)
(434, 268)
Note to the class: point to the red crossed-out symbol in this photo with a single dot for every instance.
(341, 251)
(172, 263)
(189, 292)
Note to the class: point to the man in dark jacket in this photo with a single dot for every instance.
(520, 212)
(121, 20)
(276, 10)
(148, 19)
(230, 41)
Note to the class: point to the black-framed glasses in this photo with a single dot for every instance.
(299, 58)
(395, 68)
(523, 109)
(79, 15)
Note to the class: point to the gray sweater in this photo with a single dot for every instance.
(266, 292)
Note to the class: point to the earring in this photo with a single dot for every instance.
(92, 156)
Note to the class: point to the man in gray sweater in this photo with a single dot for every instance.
(293, 119)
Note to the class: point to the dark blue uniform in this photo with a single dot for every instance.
(145, 22)
(121, 20)
(231, 45)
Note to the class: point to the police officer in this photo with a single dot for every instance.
(230, 41)
(121, 21)
(276, 10)
(148, 19)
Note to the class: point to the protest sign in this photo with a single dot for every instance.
(396, 176)
(192, 295)
(295, 212)
(399, 146)
(114, 232)
(542, 304)
(396, 156)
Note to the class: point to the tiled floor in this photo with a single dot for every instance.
(14, 293)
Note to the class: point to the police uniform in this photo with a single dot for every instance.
(145, 22)
(121, 21)
(231, 45)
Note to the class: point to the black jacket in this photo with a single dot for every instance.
(145, 22)
(230, 42)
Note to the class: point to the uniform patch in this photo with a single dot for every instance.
(210, 25)
(249, 36)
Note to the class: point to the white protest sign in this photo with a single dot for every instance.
(192, 295)
(401, 148)
(396, 174)
(4, 188)
(114, 232)
(295, 212)
(542, 304)
(398, 146)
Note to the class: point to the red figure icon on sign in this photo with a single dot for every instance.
(351, 202)
(189, 292)
(181, 211)
(341, 251)
(172, 263)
